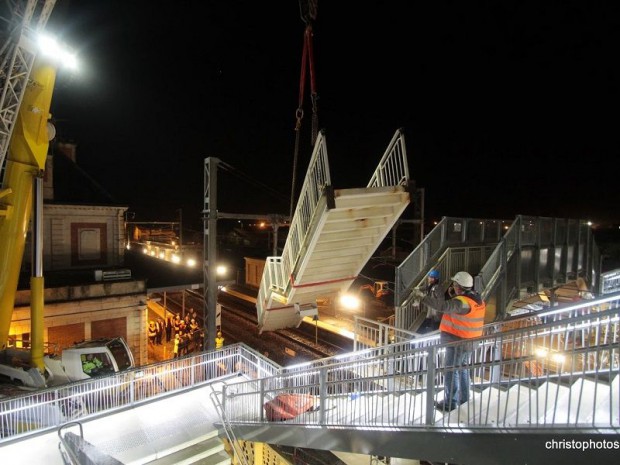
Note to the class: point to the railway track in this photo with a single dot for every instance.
(239, 324)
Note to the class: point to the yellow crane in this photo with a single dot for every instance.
(28, 75)
(26, 98)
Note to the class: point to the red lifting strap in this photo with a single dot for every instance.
(307, 60)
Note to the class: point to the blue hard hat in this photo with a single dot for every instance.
(434, 274)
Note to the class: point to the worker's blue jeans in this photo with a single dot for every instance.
(456, 381)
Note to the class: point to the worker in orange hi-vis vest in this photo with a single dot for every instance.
(219, 340)
(462, 321)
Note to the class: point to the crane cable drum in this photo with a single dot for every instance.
(308, 13)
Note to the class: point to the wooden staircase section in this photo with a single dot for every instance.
(342, 240)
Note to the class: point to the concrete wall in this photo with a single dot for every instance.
(86, 306)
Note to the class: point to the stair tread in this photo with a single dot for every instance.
(198, 451)
(219, 458)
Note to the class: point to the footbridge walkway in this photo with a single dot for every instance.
(539, 381)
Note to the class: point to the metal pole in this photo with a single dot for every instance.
(181, 230)
(316, 329)
(421, 214)
(209, 246)
(274, 249)
(37, 284)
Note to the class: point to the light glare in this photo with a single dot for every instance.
(49, 47)
(350, 302)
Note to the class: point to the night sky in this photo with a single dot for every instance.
(508, 107)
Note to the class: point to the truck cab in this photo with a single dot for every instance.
(108, 356)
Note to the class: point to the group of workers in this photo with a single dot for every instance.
(186, 334)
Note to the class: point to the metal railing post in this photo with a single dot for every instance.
(322, 395)
(430, 385)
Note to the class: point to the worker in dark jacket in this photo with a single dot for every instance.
(433, 288)
(462, 319)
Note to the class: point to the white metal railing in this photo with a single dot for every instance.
(393, 169)
(610, 282)
(230, 433)
(388, 385)
(276, 275)
(372, 338)
(367, 390)
(369, 333)
(46, 409)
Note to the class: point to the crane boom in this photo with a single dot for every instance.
(18, 54)
(26, 100)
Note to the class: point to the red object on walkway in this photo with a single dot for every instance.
(287, 406)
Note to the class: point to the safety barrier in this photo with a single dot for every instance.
(549, 375)
(50, 408)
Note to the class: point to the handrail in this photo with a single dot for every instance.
(75, 450)
(449, 232)
(230, 432)
(588, 343)
(33, 412)
(567, 244)
(69, 455)
(372, 337)
(276, 275)
(589, 328)
(393, 168)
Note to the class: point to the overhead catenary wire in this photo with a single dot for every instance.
(248, 179)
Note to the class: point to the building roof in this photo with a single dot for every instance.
(71, 184)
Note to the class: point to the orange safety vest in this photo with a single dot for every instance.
(468, 325)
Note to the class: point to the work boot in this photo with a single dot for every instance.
(445, 406)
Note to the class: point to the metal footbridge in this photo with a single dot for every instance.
(539, 381)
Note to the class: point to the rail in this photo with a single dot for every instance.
(75, 450)
(276, 275)
(370, 333)
(528, 366)
(68, 439)
(559, 347)
(372, 338)
(393, 169)
(230, 432)
(505, 257)
(48, 409)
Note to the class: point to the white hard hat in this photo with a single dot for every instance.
(463, 279)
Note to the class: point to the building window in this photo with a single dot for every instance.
(88, 244)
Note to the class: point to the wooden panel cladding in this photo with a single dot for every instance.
(114, 327)
(65, 335)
